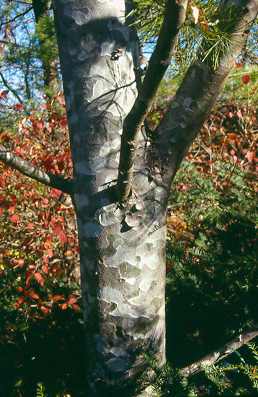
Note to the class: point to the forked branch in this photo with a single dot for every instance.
(28, 169)
(174, 18)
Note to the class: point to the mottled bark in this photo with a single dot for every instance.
(122, 246)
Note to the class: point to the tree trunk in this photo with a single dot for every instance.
(122, 246)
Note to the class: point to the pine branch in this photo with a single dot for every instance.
(28, 169)
(174, 18)
(220, 354)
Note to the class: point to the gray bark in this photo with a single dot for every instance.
(122, 246)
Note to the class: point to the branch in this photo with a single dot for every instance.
(174, 18)
(28, 169)
(200, 88)
(243, 73)
(10, 88)
(18, 16)
(223, 352)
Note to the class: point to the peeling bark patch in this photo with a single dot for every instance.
(80, 17)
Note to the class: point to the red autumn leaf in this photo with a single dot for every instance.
(72, 300)
(77, 307)
(14, 218)
(49, 253)
(19, 289)
(57, 229)
(45, 259)
(57, 297)
(238, 65)
(4, 134)
(44, 309)
(39, 278)
(34, 296)
(19, 106)
(18, 186)
(64, 306)
(40, 124)
(250, 156)
(1, 210)
(4, 93)
(20, 262)
(245, 79)
(45, 269)
(63, 123)
(56, 193)
(19, 151)
(62, 237)
(47, 242)
(31, 267)
(2, 183)
(21, 300)
(59, 98)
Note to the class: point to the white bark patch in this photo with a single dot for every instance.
(108, 146)
(138, 300)
(106, 219)
(133, 220)
(130, 280)
(145, 285)
(80, 18)
(153, 262)
(112, 295)
(107, 48)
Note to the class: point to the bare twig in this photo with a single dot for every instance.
(243, 73)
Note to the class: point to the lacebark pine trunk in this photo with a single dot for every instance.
(122, 247)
